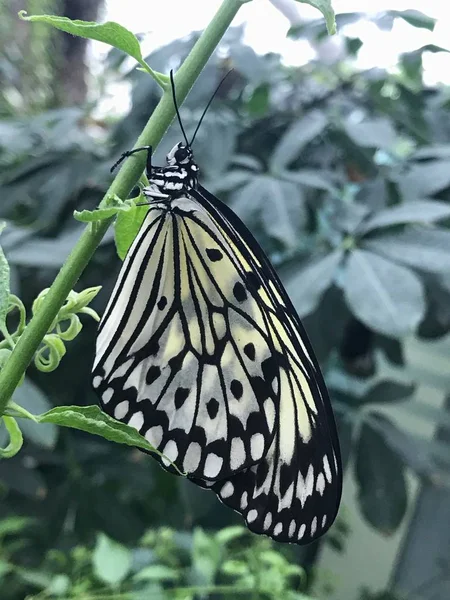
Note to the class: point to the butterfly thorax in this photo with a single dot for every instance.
(177, 178)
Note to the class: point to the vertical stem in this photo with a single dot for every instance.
(122, 185)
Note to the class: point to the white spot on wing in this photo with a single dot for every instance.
(324, 520)
(257, 446)
(107, 395)
(237, 453)
(320, 484)
(170, 451)
(267, 521)
(326, 468)
(313, 526)
(121, 409)
(301, 531)
(192, 457)
(292, 528)
(137, 420)
(96, 381)
(227, 490)
(244, 501)
(252, 514)
(154, 435)
(213, 464)
(278, 529)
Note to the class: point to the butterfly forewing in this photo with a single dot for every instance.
(185, 350)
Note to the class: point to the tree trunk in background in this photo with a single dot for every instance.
(71, 70)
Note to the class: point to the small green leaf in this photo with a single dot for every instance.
(380, 476)
(156, 573)
(4, 286)
(126, 228)
(110, 33)
(111, 561)
(93, 420)
(326, 9)
(100, 214)
(15, 438)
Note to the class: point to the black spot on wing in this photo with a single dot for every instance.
(180, 396)
(152, 374)
(239, 292)
(249, 351)
(214, 254)
(212, 407)
(236, 389)
(162, 303)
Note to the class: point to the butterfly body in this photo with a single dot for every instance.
(201, 350)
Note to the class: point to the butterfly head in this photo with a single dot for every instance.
(180, 155)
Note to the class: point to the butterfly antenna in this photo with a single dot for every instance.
(172, 82)
(207, 106)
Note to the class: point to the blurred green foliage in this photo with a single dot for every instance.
(344, 177)
(163, 564)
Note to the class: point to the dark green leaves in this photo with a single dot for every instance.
(306, 287)
(385, 296)
(382, 492)
(416, 211)
(296, 138)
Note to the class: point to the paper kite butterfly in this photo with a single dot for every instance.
(201, 350)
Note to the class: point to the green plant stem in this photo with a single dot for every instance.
(122, 185)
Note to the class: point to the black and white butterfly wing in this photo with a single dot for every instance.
(293, 493)
(202, 351)
(184, 350)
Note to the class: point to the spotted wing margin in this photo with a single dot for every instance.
(184, 350)
(293, 493)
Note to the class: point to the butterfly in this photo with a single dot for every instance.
(201, 350)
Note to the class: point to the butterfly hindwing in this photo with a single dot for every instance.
(293, 493)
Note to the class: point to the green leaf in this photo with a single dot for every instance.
(415, 18)
(156, 573)
(228, 534)
(100, 214)
(111, 561)
(380, 476)
(4, 285)
(206, 555)
(372, 133)
(93, 420)
(308, 285)
(416, 211)
(30, 397)
(386, 297)
(424, 179)
(422, 248)
(126, 228)
(110, 33)
(326, 9)
(295, 138)
(388, 391)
